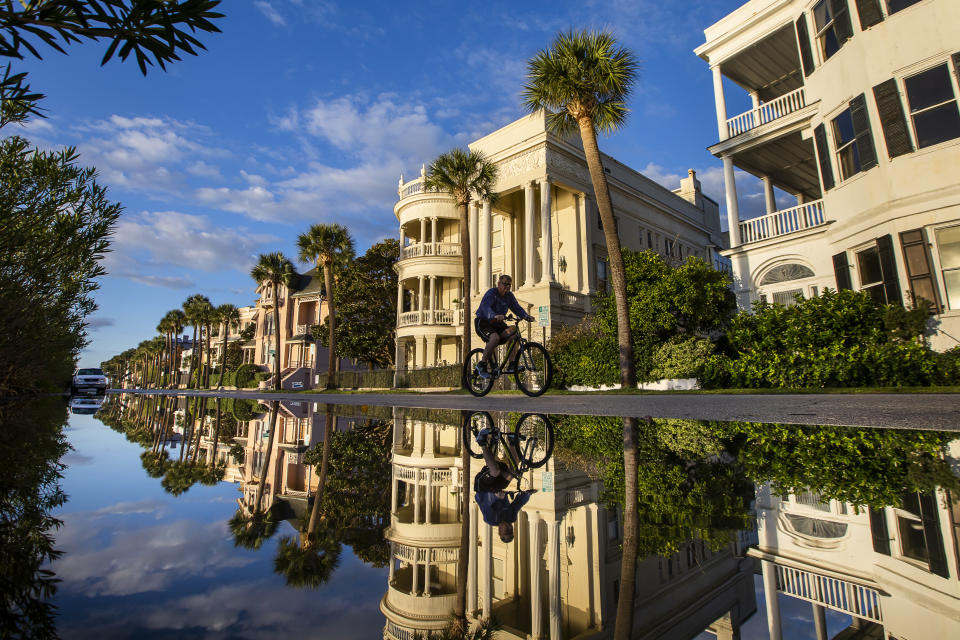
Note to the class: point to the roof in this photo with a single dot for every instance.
(309, 283)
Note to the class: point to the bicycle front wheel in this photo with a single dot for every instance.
(471, 427)
(534, 370)
(472, 380)
(534, 439)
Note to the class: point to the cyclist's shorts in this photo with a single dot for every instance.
(485, 327)
(486, 482)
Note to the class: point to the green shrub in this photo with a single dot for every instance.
(376, 379)
(260, 376)
(445, 376)
(244, 376)
(681, 357)
(583, 355)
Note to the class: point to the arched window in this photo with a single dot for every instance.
(786, 273)
(777, 283)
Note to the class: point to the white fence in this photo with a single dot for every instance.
(779, 223)
(767, 112)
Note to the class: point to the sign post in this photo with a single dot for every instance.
(544, 321)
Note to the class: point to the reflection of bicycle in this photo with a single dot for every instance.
(532, 372)
(532, 438)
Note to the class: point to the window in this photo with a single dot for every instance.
(871, 275)
(787, 298)
(668, 247)
(910, 529)
(848, 157)
(948, 244)
(649, 240)
(933, 106)
(497, 235)
(896, 5)
(602, 274)
(832, 22)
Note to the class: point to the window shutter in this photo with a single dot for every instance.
(931, 534)
(823, 153)
(803, 39)
(841, 270)
(878, 529)
(861, 128)
(870, 13)
(893, 120)
(917, 260)
(841, 20)
(956, 65)
(888, 267)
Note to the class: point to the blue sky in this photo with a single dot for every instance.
(304, 111)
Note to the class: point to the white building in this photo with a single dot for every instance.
(854, 112)
(544, 231)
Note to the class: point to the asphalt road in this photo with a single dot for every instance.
(939, 411)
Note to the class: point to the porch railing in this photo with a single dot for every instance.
(833, 593)
(430, 249)
(780, 223)
(446, 317)
(767, 112)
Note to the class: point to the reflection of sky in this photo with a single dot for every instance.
(140, 563)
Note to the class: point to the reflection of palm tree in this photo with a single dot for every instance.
(274, 408)
(309, 562)
(322, 478)
(250, 531)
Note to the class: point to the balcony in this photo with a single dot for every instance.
(783, 222)
(840, 595)
(442, 317)
(430, 249)
(767, 112)
(412, 188)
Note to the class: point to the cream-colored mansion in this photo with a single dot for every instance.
(854, 112)
(544, 230)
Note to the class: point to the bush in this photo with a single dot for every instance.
(244, 376)
(376, 379)
(583, 355)
(446, 376)
(681, 357)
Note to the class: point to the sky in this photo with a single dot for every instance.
(308, 111)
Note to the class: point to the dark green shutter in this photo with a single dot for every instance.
(931, 534)
(861, 128)
(878, 529)
(823, 154)
(888, 266)
(869, 12)
(803, 39)
(893, 120)
(841, 270)
(841, 20)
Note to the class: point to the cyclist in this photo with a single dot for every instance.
(489, 488)
(490, 323)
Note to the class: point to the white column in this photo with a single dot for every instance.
(720, 102)
(472, 560)
(420, 301)
(416, 497)
(583, 237)
(487, 570)
(530, 249)
(393, 563)
(770, 595)
(546, 270)
(393, 491)
(536, 615)
(433, 233)
(399, 299)
(553, 568)
(592, 558)
(485, 249)
(755, 115)
(820, 621)
(416, 573)
(768, 196)
(433, 298)
(428, 501)
(474, 216)
(402, 239)
(423, 234)
(733, 209)
(426, 574)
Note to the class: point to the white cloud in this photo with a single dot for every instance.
(166, 282)
(203, 170)
(270, 12)
(98, 322)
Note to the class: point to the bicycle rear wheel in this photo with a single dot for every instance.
(534, 369)
(472, 380)
(534, 439)
(471, 427)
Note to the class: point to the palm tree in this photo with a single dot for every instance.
(465, 175)
(309, 562)
(177, 320)
(582, 80)
(331, 247)
(209, 318)
(229, 316)
(274, 409)
(194, 309)
(274, 269)
(322, 477)
(166, 329)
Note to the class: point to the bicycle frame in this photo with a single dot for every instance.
(517, 466)
(515, 340)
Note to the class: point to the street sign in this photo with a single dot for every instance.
(547, 482)
(544, 316)
(297, 385)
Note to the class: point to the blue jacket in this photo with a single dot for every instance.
(496, 510)
(494, 305)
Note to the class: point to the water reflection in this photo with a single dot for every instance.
(856, 526)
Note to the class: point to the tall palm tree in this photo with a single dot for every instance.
(309, 563)
(465, 175)
(322, 476)
(331, 247)
(229, 316)
(166, 329)
(582, 80)
(178, 320)
(194, 308)
(274, 269)
(274, 409)
(209, 318)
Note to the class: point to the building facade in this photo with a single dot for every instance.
(544, 231)
(854, 114)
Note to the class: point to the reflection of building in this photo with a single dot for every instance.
(545, 192)
(893, 570)
(854, 113)
(559, 578)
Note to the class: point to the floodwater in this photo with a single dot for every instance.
(825, 531)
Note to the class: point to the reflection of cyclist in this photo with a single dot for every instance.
(490, 323)
(489, 489)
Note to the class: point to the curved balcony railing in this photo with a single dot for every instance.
(442, 317)
(430, 249)
(783, 222)
(411, 188)
(767, 112)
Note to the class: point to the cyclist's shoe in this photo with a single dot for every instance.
(483, 437)
(483, 370)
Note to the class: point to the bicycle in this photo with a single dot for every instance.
(533, 371)
(532, 438)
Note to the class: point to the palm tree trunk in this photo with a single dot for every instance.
(223, 357)
(322, 480)
(193, 358)
(266, 463)
(216, 437)
(332, 322)
(463, 558)
(465, 251)
(208, 368)
(276, 340)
